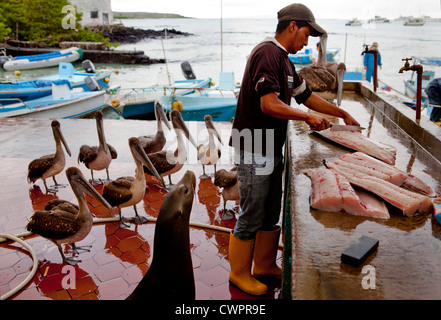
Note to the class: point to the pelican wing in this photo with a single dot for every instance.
(62, 206)
(159, 161)
(39, 166)
(225, 179)
(118, 191)
(87, 154)
(51, 226)
(112, 151)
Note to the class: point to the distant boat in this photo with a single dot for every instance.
(43, 60)
(378, 19)
(415, 22)
(430, 61)
(25, 90)
(62, 103)
(353, 23)
(305, 56)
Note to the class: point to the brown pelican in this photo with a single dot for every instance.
(52, 164)
(168, 162)
(98, 158)
(229, 181)
(128, 191)
(325, 79)
(155, 143)
(65, 222)
(209, 153)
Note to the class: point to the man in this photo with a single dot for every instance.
(369, 62)
(258, 136)
(433, 91)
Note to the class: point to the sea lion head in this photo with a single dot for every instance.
(178, 202)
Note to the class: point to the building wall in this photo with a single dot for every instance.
(96, 12)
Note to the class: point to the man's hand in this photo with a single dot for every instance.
(317, 123)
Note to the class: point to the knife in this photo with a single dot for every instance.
(341, 127)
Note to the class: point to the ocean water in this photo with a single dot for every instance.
(239, 36)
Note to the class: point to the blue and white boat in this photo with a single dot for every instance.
(25, 90)
(62, 103)
(305, 56)
(43, 60)
(138, 103)
(219, 102)
(436, 61)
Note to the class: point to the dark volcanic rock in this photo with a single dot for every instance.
(124, 35)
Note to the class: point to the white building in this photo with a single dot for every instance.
(95, 12)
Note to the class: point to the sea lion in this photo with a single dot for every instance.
(170, 276)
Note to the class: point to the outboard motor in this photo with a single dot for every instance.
(3, 59)
(92, 84)
(88, 66)
(187, 70)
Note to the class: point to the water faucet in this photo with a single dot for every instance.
(419, 70)
(407, 66)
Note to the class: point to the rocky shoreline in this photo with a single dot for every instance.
(127, 35)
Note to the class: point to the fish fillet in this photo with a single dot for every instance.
(397, 176)
(325, 193)
(333, 192)
(357, 141)
(409, 202)
(375, 207)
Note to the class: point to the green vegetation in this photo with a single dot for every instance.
(145, 15)
(41, 20)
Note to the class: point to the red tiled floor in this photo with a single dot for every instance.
(119, 258)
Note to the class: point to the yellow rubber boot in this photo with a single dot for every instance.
(241, 257)
(265, 254)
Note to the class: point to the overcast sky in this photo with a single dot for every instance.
(322, 9)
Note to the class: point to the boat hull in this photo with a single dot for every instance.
(196, 107)
(43, 60)
(73, 106)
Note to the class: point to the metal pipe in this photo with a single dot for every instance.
(375, 53)
(419, 70)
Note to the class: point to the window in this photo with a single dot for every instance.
(93, 14)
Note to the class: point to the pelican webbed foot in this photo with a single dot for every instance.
(78, 250)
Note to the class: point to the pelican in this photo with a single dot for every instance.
(128, 191)
(98, 158)
(168, 162)
(155, 143)
(52, 164)
(229, 181)
(209, 153)
(325, 79)
(64, 222)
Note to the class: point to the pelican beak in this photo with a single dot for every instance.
(79, 183)
(140, 154)
(340, 76)
(62, 139)
(178, 123)
(100, 130)
(161, 114)
(212, 129)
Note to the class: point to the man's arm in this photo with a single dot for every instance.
(318, 104)
(272, 106)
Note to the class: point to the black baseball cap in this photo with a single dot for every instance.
(298, 11)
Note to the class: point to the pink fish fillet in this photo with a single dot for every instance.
(409, 202)
(357, 141)
(375, 207)
(351, 202)
(325, 193)
(397, 176)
